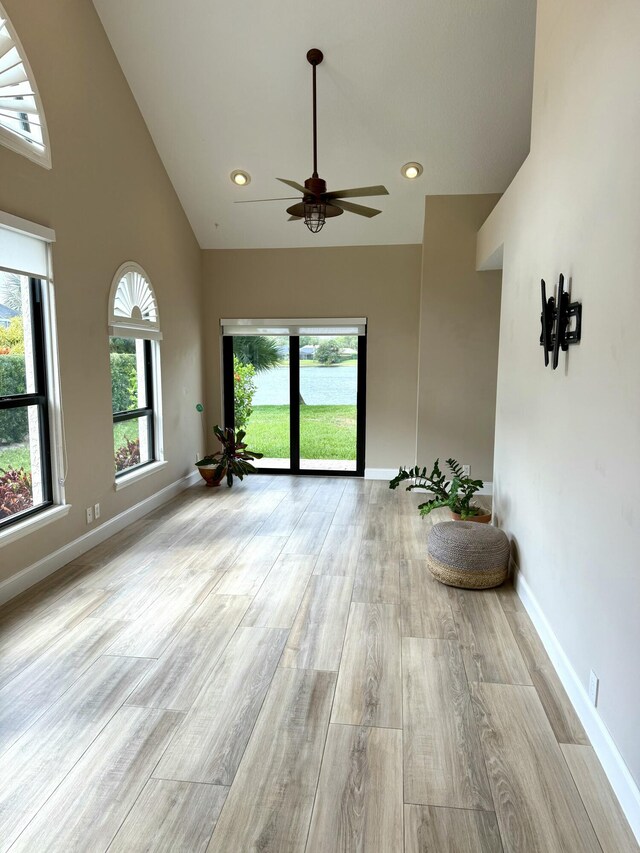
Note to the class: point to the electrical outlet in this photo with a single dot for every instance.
(89, 515)
(466, 470)
(96, 511)
(594, 684)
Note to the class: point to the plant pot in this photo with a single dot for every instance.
(207, 473)
(481, 519)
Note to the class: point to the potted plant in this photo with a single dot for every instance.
(456, 493)
(232, 460)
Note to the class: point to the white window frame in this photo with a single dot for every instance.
(149, 330)
(57, 447)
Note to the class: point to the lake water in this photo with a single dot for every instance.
(319, 386)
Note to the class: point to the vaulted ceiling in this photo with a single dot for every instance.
(226, 85)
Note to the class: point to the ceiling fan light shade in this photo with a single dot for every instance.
(240, 178)
(411, 171)
(314, 215)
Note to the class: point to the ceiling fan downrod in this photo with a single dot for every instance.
(315, 57)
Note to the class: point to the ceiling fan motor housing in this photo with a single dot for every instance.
(316, 186)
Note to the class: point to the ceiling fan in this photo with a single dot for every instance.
(317, 204)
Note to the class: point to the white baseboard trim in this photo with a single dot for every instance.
(614, 766)
(30, 575)
(380, 473)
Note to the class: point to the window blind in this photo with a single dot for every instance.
(24, 246)
(296, 326)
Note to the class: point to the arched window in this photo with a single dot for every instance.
(22, 124)
(134, 353)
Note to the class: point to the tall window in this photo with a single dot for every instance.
(27, 410)
(135, 369)
(22, 124)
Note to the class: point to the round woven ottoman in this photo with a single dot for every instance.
(468, 555)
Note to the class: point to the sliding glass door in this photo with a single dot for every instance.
(299, 397)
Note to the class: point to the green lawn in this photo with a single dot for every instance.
(326, 432)
(124, 429)
(17, 456)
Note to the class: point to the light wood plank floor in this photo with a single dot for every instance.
(272, 668)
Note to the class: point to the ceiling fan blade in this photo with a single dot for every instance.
(294, 219)
(252, 200)
(357, 192)
(294, 185)
(360, 209)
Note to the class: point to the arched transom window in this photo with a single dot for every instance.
(22, 124)
(133, 306)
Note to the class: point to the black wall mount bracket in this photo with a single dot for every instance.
(561, 322)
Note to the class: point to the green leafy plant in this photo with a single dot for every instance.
(128, 454)
(124, 381)
(12, 337)
(15, 491)
(244, 387)
(233, 459)
(258, 350)
(456, 493)
(14, 423)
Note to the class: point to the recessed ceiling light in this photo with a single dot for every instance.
(411, 170)
(240, 178)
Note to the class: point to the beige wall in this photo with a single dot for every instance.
(459, 323)
(109, 200)
(381, 283)
(568, 442)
